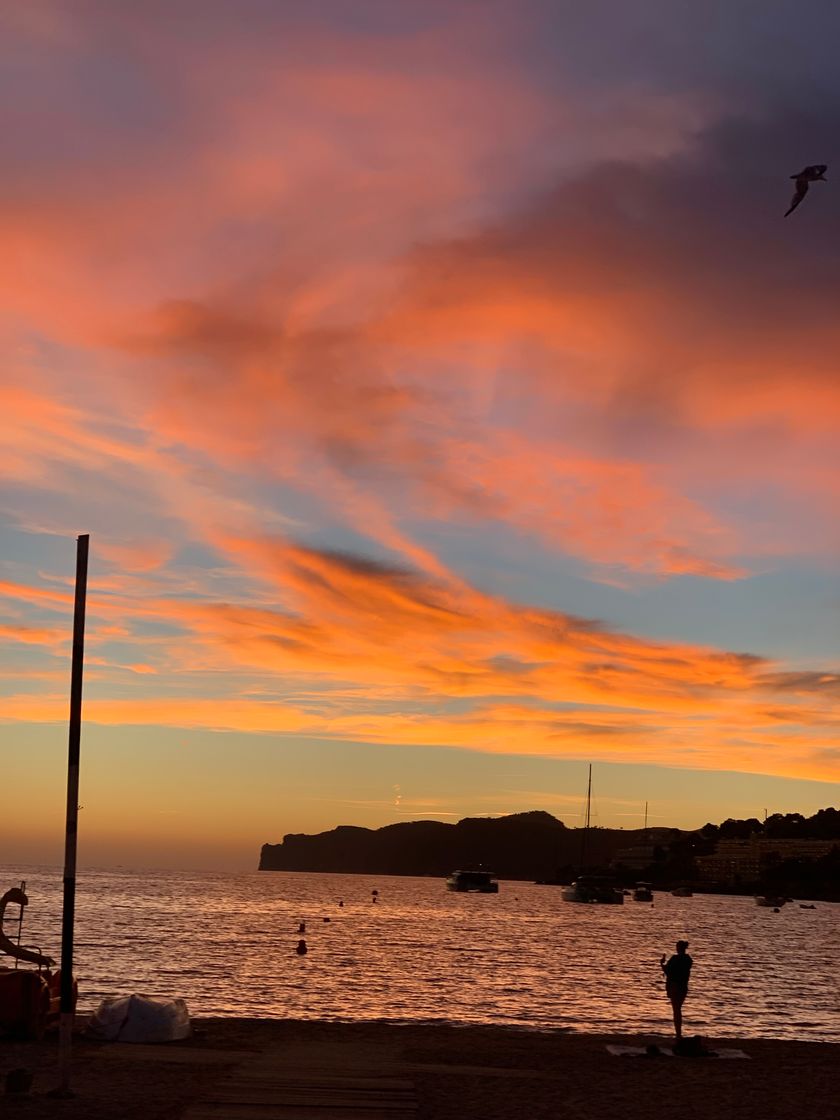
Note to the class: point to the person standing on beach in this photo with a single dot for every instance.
(677, 971)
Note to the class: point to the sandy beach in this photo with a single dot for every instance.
(237, 1068)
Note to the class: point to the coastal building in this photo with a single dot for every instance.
(744, 860)
(636, 858)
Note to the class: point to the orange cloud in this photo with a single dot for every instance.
(32, 635)
(144, 555)
(375, 652)
(45, 597)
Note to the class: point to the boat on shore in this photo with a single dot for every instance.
(29, 998)
(594, 889)
(472, 882)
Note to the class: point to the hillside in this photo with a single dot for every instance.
(532, 846)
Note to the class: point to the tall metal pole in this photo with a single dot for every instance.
(71, 833)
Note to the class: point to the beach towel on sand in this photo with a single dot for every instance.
(666, 1052)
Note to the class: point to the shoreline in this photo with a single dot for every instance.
(449, 1072)
(657, 1031)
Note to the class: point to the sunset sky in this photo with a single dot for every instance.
(447, 400)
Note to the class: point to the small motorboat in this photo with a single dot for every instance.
(682, 892)
(776, 901)
(642, 892)
(472, 882)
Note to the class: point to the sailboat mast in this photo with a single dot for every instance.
(646, 805)
(589, 798)
(587, 818)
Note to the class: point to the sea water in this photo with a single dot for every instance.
(226, 944)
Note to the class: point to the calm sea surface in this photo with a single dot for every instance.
(225, 943)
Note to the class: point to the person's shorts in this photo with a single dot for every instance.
(676, 992)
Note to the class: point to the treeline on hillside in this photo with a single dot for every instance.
(823, 825)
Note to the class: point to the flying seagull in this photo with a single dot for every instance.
(805, 177)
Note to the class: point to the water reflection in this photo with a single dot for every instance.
(226, 943)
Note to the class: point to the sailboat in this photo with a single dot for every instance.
(643, 891)
(590, 888)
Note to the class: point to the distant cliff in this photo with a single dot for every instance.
(537, 846)
(522, 846)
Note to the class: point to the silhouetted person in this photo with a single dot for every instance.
(327, 919)
(677, 971)
(301, 948)
(302, 927)
(374, 896)
(341, 902)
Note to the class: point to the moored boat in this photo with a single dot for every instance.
(473, 882)
(776, 901)
(642, 893)
(682, 892)
(592, 888)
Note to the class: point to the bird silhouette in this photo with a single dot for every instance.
(804, 178)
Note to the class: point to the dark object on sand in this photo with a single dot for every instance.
(19, 1080)
(693, 1047)
(652, 1051)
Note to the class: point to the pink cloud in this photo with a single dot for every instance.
(141, 555)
